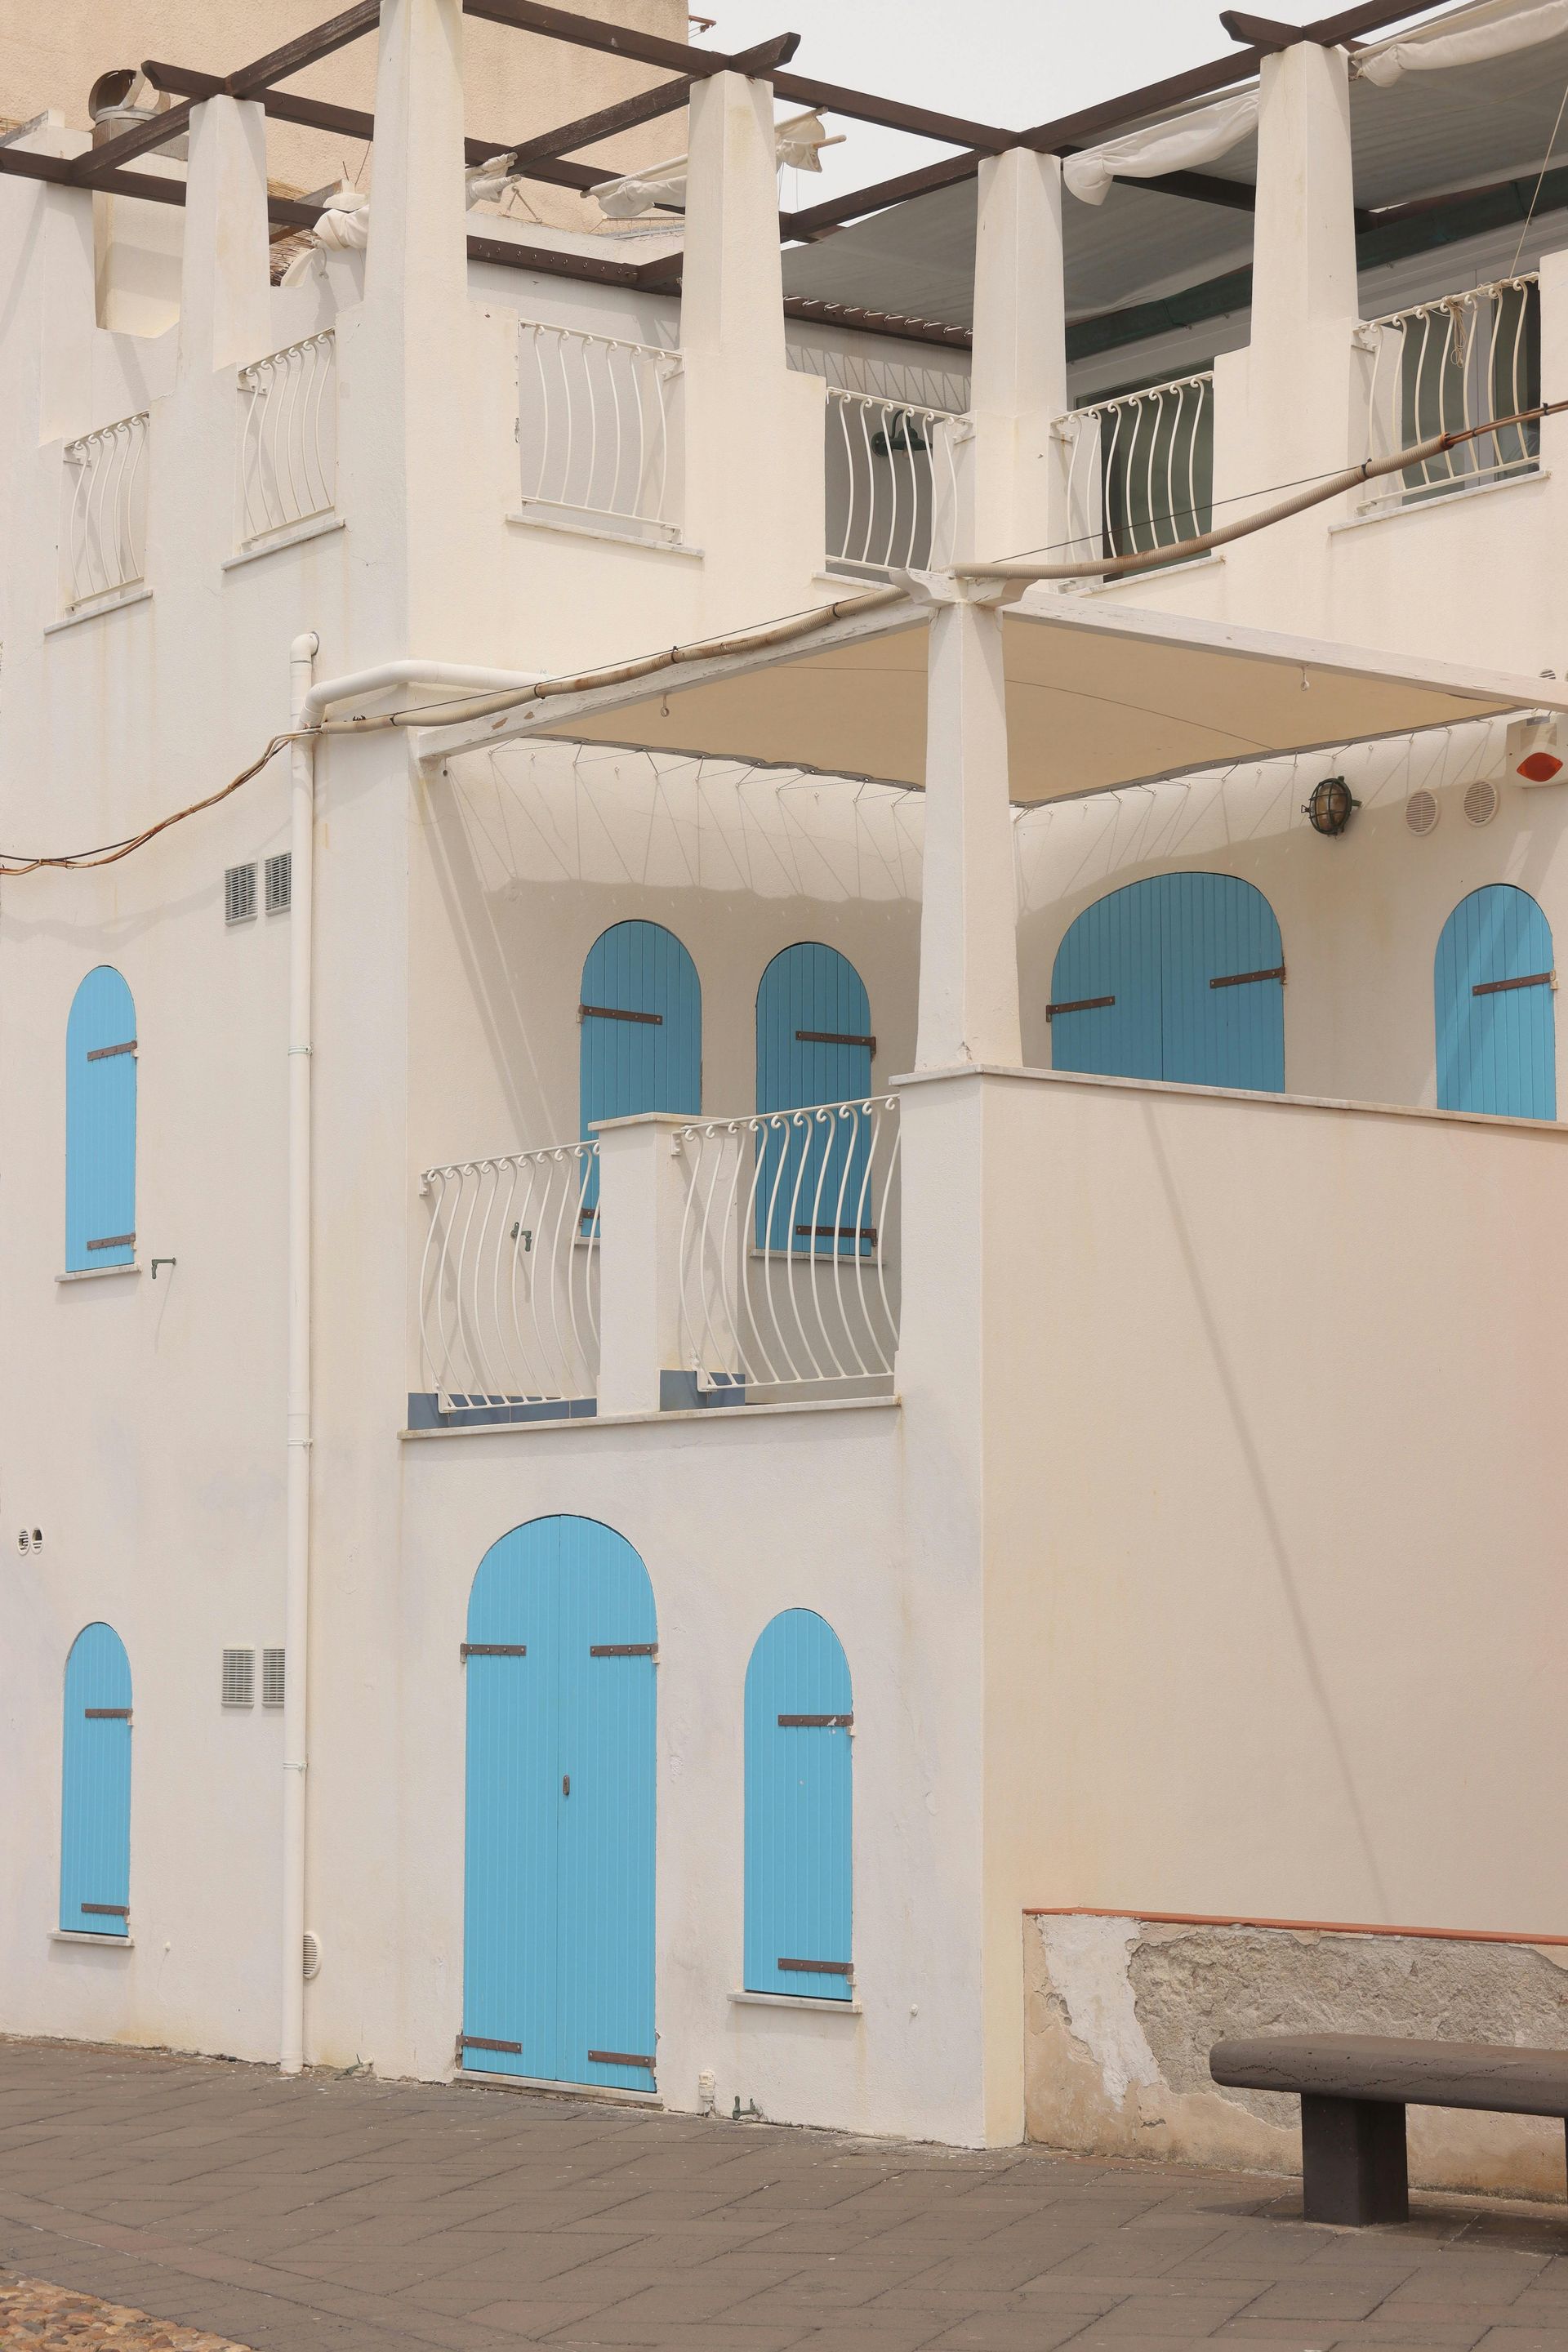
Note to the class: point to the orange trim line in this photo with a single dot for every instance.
(1317, 1927)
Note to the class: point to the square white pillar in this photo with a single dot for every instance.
(1018, 387)
(969, 907)
(642, 1201)
(226, 291)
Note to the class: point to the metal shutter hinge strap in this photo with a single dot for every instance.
(1498, 987)
(816, 1722)
(1078, 1005)
(1245, 979)
(493, 1649)
(816, 1967)
(618, 1013)
(115, 1241)
(107, 1713)
(623, 1649)
(480, 2042)
(618, 2058)
(833, 1037)
(104, 1053)
(107, 1910)
(839, 1232)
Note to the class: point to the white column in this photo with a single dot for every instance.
(754, 431)
(1288, 406)
(968, 955)
(225, 284)
(1020, 381)
(641, 1200)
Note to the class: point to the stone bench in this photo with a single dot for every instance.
(1355, 2089)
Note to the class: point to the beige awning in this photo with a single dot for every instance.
(1097, 697)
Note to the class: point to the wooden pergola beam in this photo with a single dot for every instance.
(92, 169)
(619, 40)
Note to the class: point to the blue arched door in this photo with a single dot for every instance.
(1180, 977)
(813, 1046)
(100, 1124)
(1496, 1006)
(799, 1810)
(640, 1032)
(558, 1969)
(95, 1787)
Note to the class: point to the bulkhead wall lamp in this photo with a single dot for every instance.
(1329, 807)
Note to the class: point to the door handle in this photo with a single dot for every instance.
(566, 1784)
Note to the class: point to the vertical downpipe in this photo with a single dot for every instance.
(297, 1590)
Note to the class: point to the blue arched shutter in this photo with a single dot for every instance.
(1222, 1003)
(813, 1046)
(799, 1810)
(100, 1124)
(1495, 1008)
(95, 1787)
(1180, 977)
(641, 1031)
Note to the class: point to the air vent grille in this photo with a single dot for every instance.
(239, 894)
(272, 1677)
(279, 883)
(239, 1678)
(1422, 811)
(1480, 803)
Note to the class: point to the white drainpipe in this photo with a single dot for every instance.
(307, 704)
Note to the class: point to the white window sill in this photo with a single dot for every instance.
(795, 2000)
(98, 608)
(82, 1936)
(1440, 501)
(1139, 579)
(544, 517)
(98, 1273)
(738, 1413)
(319, 527)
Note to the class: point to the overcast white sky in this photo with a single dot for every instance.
(1010, 62)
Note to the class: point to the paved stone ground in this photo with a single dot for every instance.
(353, 2215)
(38, 2317)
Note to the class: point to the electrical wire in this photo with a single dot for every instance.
(759, 635)
(1530, 215)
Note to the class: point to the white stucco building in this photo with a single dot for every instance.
(900, 1616)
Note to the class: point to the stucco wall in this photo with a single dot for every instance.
(1122, 2013)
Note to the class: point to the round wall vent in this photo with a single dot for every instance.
(312, 1955)
(1480, 803)
(1421, 811)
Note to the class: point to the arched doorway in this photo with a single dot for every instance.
(558, 1968)
(1180, 976)
(1496, 1010)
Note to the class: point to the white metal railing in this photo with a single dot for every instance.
(788, 1257)
(892, 482)
(595, 432)
(288, 438)
(1141, 468)
(103, 527)
(1472, 358)
(509, 1290)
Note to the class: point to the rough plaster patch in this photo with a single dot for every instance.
(1090, 1977)
(1192, 1989)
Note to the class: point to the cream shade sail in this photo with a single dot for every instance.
(1095, 698)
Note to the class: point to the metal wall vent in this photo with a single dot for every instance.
(239, 1678)
(279, 883)
(1422, 811)
(312, 1954)
(272, 1677)
(239, 894)
(1481, 803)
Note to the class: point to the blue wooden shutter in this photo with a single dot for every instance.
(799, 1810)
(650, 1057)
(1105, 988)
(559, 1954)
(1134, 991)
(1216, 928)
(1497, 1044)
(100, 1124)
(95, 1787)
(813, 1046)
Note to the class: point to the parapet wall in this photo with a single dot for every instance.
(1121, 2015)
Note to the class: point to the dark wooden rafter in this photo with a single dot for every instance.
(614, 40)
(90, 169)
(58, 171)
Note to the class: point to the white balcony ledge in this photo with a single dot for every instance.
(83, 1936)
(576, 526)
(802, 2003)
(726, 1416)
(98, 1273)
(298, 535)
(1440, 500)
(100, 605)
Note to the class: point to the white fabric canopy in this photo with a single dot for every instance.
(344, 227)
(798, 143)
(1497, 37)
(1175, 146)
